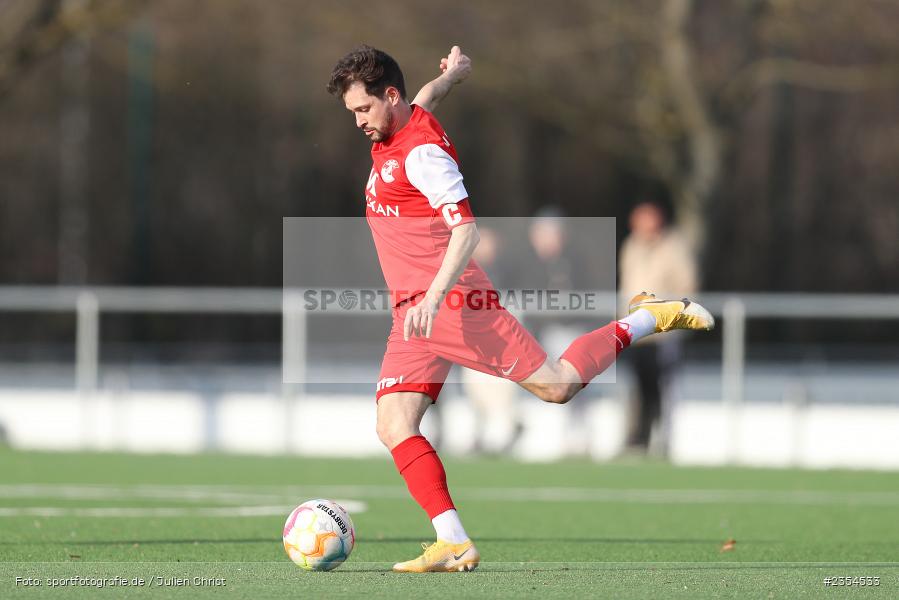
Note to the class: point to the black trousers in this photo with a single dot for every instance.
(652, 365)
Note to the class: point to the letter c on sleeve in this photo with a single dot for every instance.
(451, 214)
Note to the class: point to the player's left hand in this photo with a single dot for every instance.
(456, 65)
(420, 318)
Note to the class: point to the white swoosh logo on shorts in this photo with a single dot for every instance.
(509, 370)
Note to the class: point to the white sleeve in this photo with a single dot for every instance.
(435, 174)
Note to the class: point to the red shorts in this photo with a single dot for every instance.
(486, 339)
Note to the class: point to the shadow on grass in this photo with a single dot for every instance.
(568, 540)
(387, 540)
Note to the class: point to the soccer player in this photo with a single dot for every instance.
(419, 213)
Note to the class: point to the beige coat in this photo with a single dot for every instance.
(665, 266)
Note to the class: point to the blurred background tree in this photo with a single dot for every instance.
(162, 142)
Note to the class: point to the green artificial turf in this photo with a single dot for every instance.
(572, 529)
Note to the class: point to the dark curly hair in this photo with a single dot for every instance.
(374, 68)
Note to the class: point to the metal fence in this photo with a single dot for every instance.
(88, 304)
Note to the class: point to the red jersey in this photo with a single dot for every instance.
(414, 198)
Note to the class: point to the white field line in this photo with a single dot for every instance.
(352, 506)
(687, 496)
(269, 495)
(184, 493)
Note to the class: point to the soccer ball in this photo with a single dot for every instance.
(319, 535)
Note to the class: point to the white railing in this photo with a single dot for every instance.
(88, 304)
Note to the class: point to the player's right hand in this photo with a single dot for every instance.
(456, 65)
(420, 318)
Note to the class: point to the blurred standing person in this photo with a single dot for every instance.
(555, 265)
(493, 398)
(655, 256)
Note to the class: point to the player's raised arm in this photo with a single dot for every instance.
(455, 68)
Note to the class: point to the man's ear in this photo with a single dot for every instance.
(393, 95)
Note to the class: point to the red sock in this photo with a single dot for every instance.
(593, 352)
(418, 463)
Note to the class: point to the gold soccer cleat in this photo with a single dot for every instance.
(673, 314)
(442, 557)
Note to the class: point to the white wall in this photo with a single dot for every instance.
(817, 436)
(777, 435)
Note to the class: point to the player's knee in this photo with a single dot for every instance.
(391, 433)
(385, 433)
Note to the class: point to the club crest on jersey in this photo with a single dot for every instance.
(387, 170)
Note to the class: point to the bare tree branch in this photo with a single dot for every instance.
(34, 29)
(815, 76)
(703, 143)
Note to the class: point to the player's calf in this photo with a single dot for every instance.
(554, 393)
(557, 393)
(555, 382)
